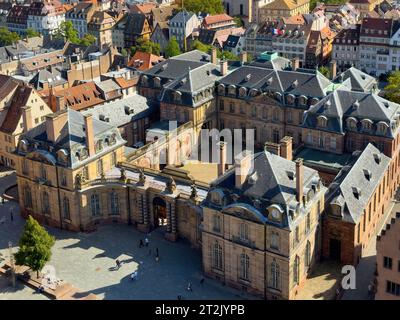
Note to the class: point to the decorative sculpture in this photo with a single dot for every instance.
(171, 185)
(123, 175)
(78, 181)
(193, 194)
(142, 177)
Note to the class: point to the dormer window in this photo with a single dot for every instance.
(322, 121)
(314, 101)
(367, 124)
(303, 100)
(367, 174)
(356, 192)
(352, 123)
(145, 80)
(232, 90)
(377, 158)
(157, 82)
(221, 89)
(242, 91)
(99, 145)
(290, 99)
(382, 127)
(177, 96)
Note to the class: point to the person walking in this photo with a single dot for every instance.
(189, 287)
(146, 241)
(141, 243)
(118, 263)
(156, 251)
(11, 214)
(157, 257)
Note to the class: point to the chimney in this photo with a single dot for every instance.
(214, 55)
(333, 69)
(27, 118)
(274, 148)
(286, 148)
(222, 158)
(299, 180)
(224, 68)
(243, 167)
(89, 134)
(60, 103)
(55, 122)
(295, 64)
(243, 57)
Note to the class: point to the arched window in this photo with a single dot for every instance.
(296, 270)
(95, 204)
(66, 212)
(367, 124)
(308, 222)
(274, 276)
(43, 173)
(45, 203)
(217, 256)
(27, 197)
(244, 232)
(114, 203)
(275, 240)
(217, 223)
(322, 121)
(244, 266)
(307, 255)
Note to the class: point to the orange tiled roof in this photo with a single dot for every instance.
(126, 83)
(81, 97)
(144, 61)
(144, 8)
(298, 19)
(217, 18)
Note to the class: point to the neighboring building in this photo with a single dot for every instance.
(346, 48)
(45, 16)
(129, 29)
(235, 44)
(388, 261)
(365, 6)
(261, 225)
(21, 110)
(143, 61)
(355, 203)
(283, 8)
(17, 19)
(101, 25)
(160, 35)
(30, 66)
(162, 15)
(218, 22)
(80, 15)
(375, 35)
(181, 26)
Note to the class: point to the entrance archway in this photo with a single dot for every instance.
(160, 212)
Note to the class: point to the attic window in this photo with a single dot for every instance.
(367, 174)
(386, 104)
(356, 192)
(295, 83)
(363, 77)
(248, 77)
(356, 104)
(377, 158)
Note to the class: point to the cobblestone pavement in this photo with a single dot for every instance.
(366, 268)
(87, 261)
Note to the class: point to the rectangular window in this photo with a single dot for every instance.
(387, 262)
(393, 288)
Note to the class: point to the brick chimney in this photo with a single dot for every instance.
(214, 55)
(333, 69)
(222, 158)
(299, 180)
(295, 64)
(224, 68)
(286, 148)
(274, 148)
(89, 134)
(55, 123)
(243, 167)
(27, 118)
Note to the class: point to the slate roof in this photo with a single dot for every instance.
(134, 23)
(342, 104)
(53, 78)
(122, 112)
(359, 81)
(269, 184)
(72, 139)
(352, 189)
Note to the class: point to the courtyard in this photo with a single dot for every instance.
(87, 261)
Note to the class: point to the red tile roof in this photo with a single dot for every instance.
(218, 18)
(144, 61)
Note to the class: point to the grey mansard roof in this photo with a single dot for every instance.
(356, 182)
(72, 140)
(359, 81)
(271, 183)
(343, 104)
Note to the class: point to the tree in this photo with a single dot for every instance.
(67, 31)
(325, 71)
(392, 90)
(238, 21)
(172, 49)
(209, 6)
(198, 45)
(146, 46)
(30, 33)
(87, 40)
(227, 55)
(34, 246)
(8, 38)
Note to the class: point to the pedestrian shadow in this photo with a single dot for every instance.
(113, 269)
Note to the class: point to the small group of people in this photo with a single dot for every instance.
(146, 243)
